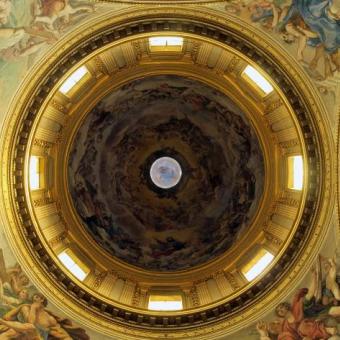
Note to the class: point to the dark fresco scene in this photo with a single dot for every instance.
(216, 197)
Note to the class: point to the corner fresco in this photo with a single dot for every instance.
(313, 310)
(28, 28)
(309, 30)
(25, 313)
(312, 27)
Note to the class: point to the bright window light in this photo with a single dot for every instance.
(165, 302)
(73, 79)
(34, 173)
(295, 172)
(166, 44)
(166, 41)
(67, 259)
(254, 75)
(255, 267)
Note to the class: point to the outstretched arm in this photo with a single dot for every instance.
(72, 10)
(69, 10)
(44, 19)
(12, 314)
(18, 326)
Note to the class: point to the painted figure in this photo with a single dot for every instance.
(318, 25)
(138, 227)
(314, 311)
(309, 23)
(35, 316)
(5, 10)
(26, 318)
(55, 13)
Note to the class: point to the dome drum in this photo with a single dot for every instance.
(281, 221)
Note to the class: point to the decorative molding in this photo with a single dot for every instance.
(136, 299)
(42, 144)
(58, 239)
(99, 278)
(309, 233)
(42, 201)
(100, 65)
(194, 297)
(289, 143)
(58, 106)
(233, 64)
(233, 282)
(273, 239)
(272, 106)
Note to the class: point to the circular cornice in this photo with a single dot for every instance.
(132, 108)
(161, 2)
(69, 134)
(305, 242)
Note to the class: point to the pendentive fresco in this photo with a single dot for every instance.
(308, 29)
(25, 312)
(28, 28)
(311, 312)
(311, 27)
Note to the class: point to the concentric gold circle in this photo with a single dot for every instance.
(41, 223)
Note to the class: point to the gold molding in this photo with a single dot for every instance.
(161, 2)
(39, 274)
(226, 83)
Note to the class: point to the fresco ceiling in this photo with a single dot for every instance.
(308, 30)
(185, 225)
